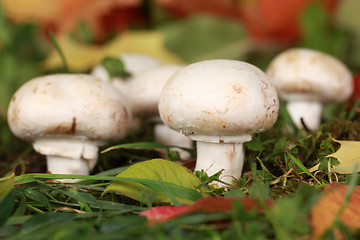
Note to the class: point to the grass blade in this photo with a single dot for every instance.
(302, 167)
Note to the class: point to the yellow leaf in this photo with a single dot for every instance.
(6, 184)
(37, 10)
(348, 155)
(82, 56)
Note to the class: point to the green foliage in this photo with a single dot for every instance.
(203, 37)
(319, 33)
(115, 67)
(347, 19)
(7, 204)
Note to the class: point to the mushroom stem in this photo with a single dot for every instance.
(65, 165)
(165, 135)
(309, 111)
(213, 157)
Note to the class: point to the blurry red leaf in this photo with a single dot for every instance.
(277, 20)
(163, 213)
(208, 205)
(265, 20)
(356, 93)
(324, 212)
(185, 8)
(64, 16)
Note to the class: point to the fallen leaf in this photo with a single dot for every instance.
(81, 56)
(160, 170)
(161, 214)
(324, 212)
(348, 155)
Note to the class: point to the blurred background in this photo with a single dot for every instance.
(174, 31)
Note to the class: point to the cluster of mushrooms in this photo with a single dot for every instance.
(218, 104)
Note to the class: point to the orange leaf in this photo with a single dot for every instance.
(63, 15)
(208, 205)
(324, 212)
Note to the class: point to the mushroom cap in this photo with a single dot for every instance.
(137, 63)
(306, 74)
(219, 100)
(146, 87)
(68, 106)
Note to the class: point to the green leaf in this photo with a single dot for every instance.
(203, 37)
(38, 197)
(348, 18)
(39, 224)
(255, 145)
(81, 197)
(115, 67)
(6, 207)
(6, 184)
(317, 32)
(260, 190)
(174, 177)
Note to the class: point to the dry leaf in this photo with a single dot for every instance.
(208, 205)
(348, 155)
(324, 212)
(81, 56)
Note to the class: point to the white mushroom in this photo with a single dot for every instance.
(66, 117)
(307, 79)
(219, 104)
(133, 64)
(144, 95)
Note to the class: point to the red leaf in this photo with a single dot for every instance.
(207, 205)
(163, 213)
(277, 20)
(324, 212)
(356, 93)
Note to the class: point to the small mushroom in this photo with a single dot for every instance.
(307, 79)
(67, 117)
(133, 63)
(219, 104)
(144, 95)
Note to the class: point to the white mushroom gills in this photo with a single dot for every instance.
(67, 117)
(307, 79)
(219, 104)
